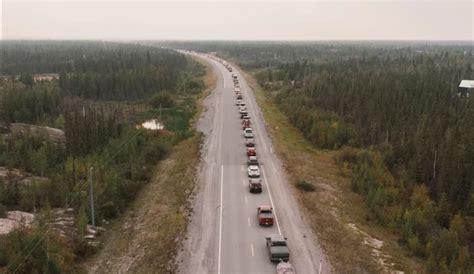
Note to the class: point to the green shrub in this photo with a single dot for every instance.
(347, 155)
(165, 99)
(3, 211)
(305, 186)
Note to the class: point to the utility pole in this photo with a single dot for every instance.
(91, 195)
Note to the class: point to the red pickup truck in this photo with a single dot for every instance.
(265, 215)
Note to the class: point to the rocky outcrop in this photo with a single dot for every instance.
(14, 220)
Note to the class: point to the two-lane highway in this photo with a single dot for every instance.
(224, 235)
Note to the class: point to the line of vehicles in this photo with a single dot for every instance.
(276, 244)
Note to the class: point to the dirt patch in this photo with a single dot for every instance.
(332, 208)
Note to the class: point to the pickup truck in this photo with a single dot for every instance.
(277, 248)
(265, 215)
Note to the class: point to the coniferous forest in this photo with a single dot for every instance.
(86, 116)
(395, 113)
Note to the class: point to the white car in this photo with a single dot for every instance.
(253, 171)
(248, 133)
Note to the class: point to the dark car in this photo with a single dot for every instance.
(255, 186)
(249, 142)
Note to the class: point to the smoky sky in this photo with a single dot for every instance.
(226, 20)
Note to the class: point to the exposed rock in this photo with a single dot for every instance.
(22, 178)
(54, 134)
(14, 220)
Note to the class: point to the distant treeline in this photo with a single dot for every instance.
(97, 70)
(395, 112)
(264, 54)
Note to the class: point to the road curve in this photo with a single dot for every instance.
(223, 235)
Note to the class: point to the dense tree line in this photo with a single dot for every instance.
(96, 70)
(416, 169)
(21, 104)
(265, 54)
(36, 57)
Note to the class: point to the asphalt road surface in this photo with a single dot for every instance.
(224, 235)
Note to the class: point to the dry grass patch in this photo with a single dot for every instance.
(336, 214)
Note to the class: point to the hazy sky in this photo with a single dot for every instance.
(224, 20)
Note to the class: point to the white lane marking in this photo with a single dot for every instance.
(242, 168)
(251, 248)
(248, 221)
(243, 182)
(220, 222)
(271, 200)
(246, 200)
(320, 264)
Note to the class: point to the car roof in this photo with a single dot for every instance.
(256, 180)
(265, 207)
(253, 167)
(252, 157)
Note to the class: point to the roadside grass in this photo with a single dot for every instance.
(337, 215)
(210, 82)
